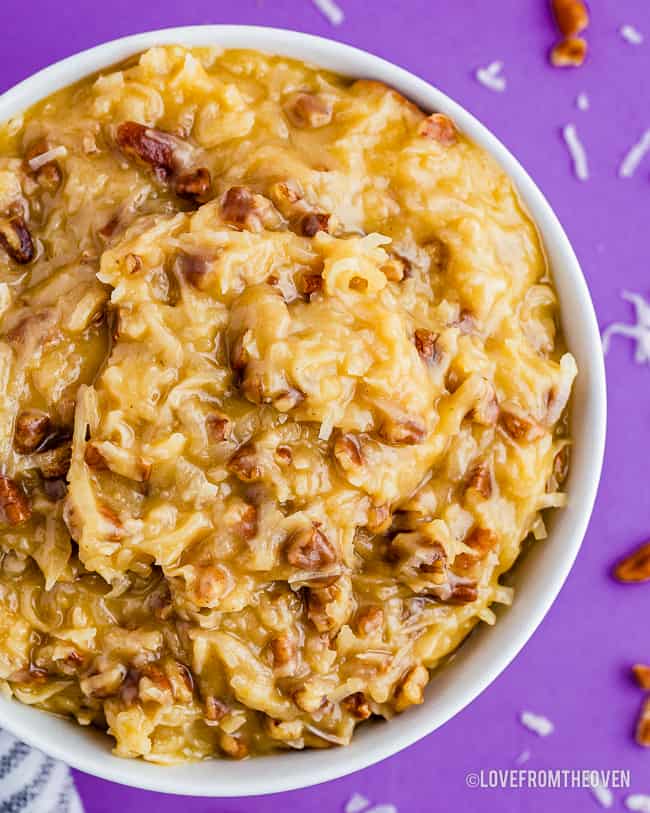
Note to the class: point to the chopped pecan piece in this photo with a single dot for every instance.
(215, 709)
(194, 185)
(245, 210)
(14, 502)
(569, 53)
(247, 525)
(48, 175)
(347, 451)
(94, 458)
(482, 540)
(16, 239)
(636, 566)
(426, 345)
(643, 725)
(55, 489)
(462, 594)
(132, 263)
(310, 549)
(440, 128)
(480, 480)
(571, 16)
(149, 146)
(218, 427)
(313, 222)
(411, 690)
(194, 268)
(211, 585)
(394, 270)
(32, 428)
(403, 431)
(284, 455)
(54, 463)
(417, 554)
(379, 518)
(357, 705)
(520, 428)
(369, 620)
(234, 747)
(642, 674)
(245, 464)
(283, 654)
(310, 284)
(308, 110)
(288, 399)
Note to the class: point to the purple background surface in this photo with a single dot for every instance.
(575, 670)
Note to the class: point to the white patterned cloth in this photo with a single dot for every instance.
(31, 782)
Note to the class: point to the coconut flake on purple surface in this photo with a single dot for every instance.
(537, 723)
(582, 101)
(640, 331)
(577, 152)
(330, 10)
(634, 156)
(631, 34)
(639, 802)
(356, 803)
(523, 757)
(491, 77)
(602, 795)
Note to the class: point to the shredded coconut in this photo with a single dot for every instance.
(523, 757)
(582, 101)
(490, 77)
(330, 10)
(639, 802)
(45, 157)
(383, 809)
(635, 156)
(577, 151)
(356, 803)
(640, 331)
(603, 795)
(535, 722)
(631, 35)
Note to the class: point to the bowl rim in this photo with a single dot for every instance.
(276, 773)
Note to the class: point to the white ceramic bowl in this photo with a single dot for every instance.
(538, 577)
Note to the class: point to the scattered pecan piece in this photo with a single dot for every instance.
(520, 428)
(194, 185)
(462, 594)
(636, 566)
(369, 620)
(411, 690)
(94, 458)
(218, 427)
(194, 268)
(16, 239)
(215, 709)
(480, 480)
(212, 583)
(357, 705)
(54, 463)
(313, 222)
(347, 451)
(406, 431)
(32, 427)
(642, 674)
(440, 128)
(283, 654)
(245, 210)
(148, 146)
(394, 270)
(308, 110)
(426, 345)
(247, 525)
(14, 502)
(379, 518)
(310, 549)
(571, 16)
(643, 725)
(569, 53)
(233, 747)
(284, 455)
(55, 489)
(132, 263)
(48, 175)
(310, 284)
(288, 399)
(245, 464)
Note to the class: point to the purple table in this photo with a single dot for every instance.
(575, 669)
